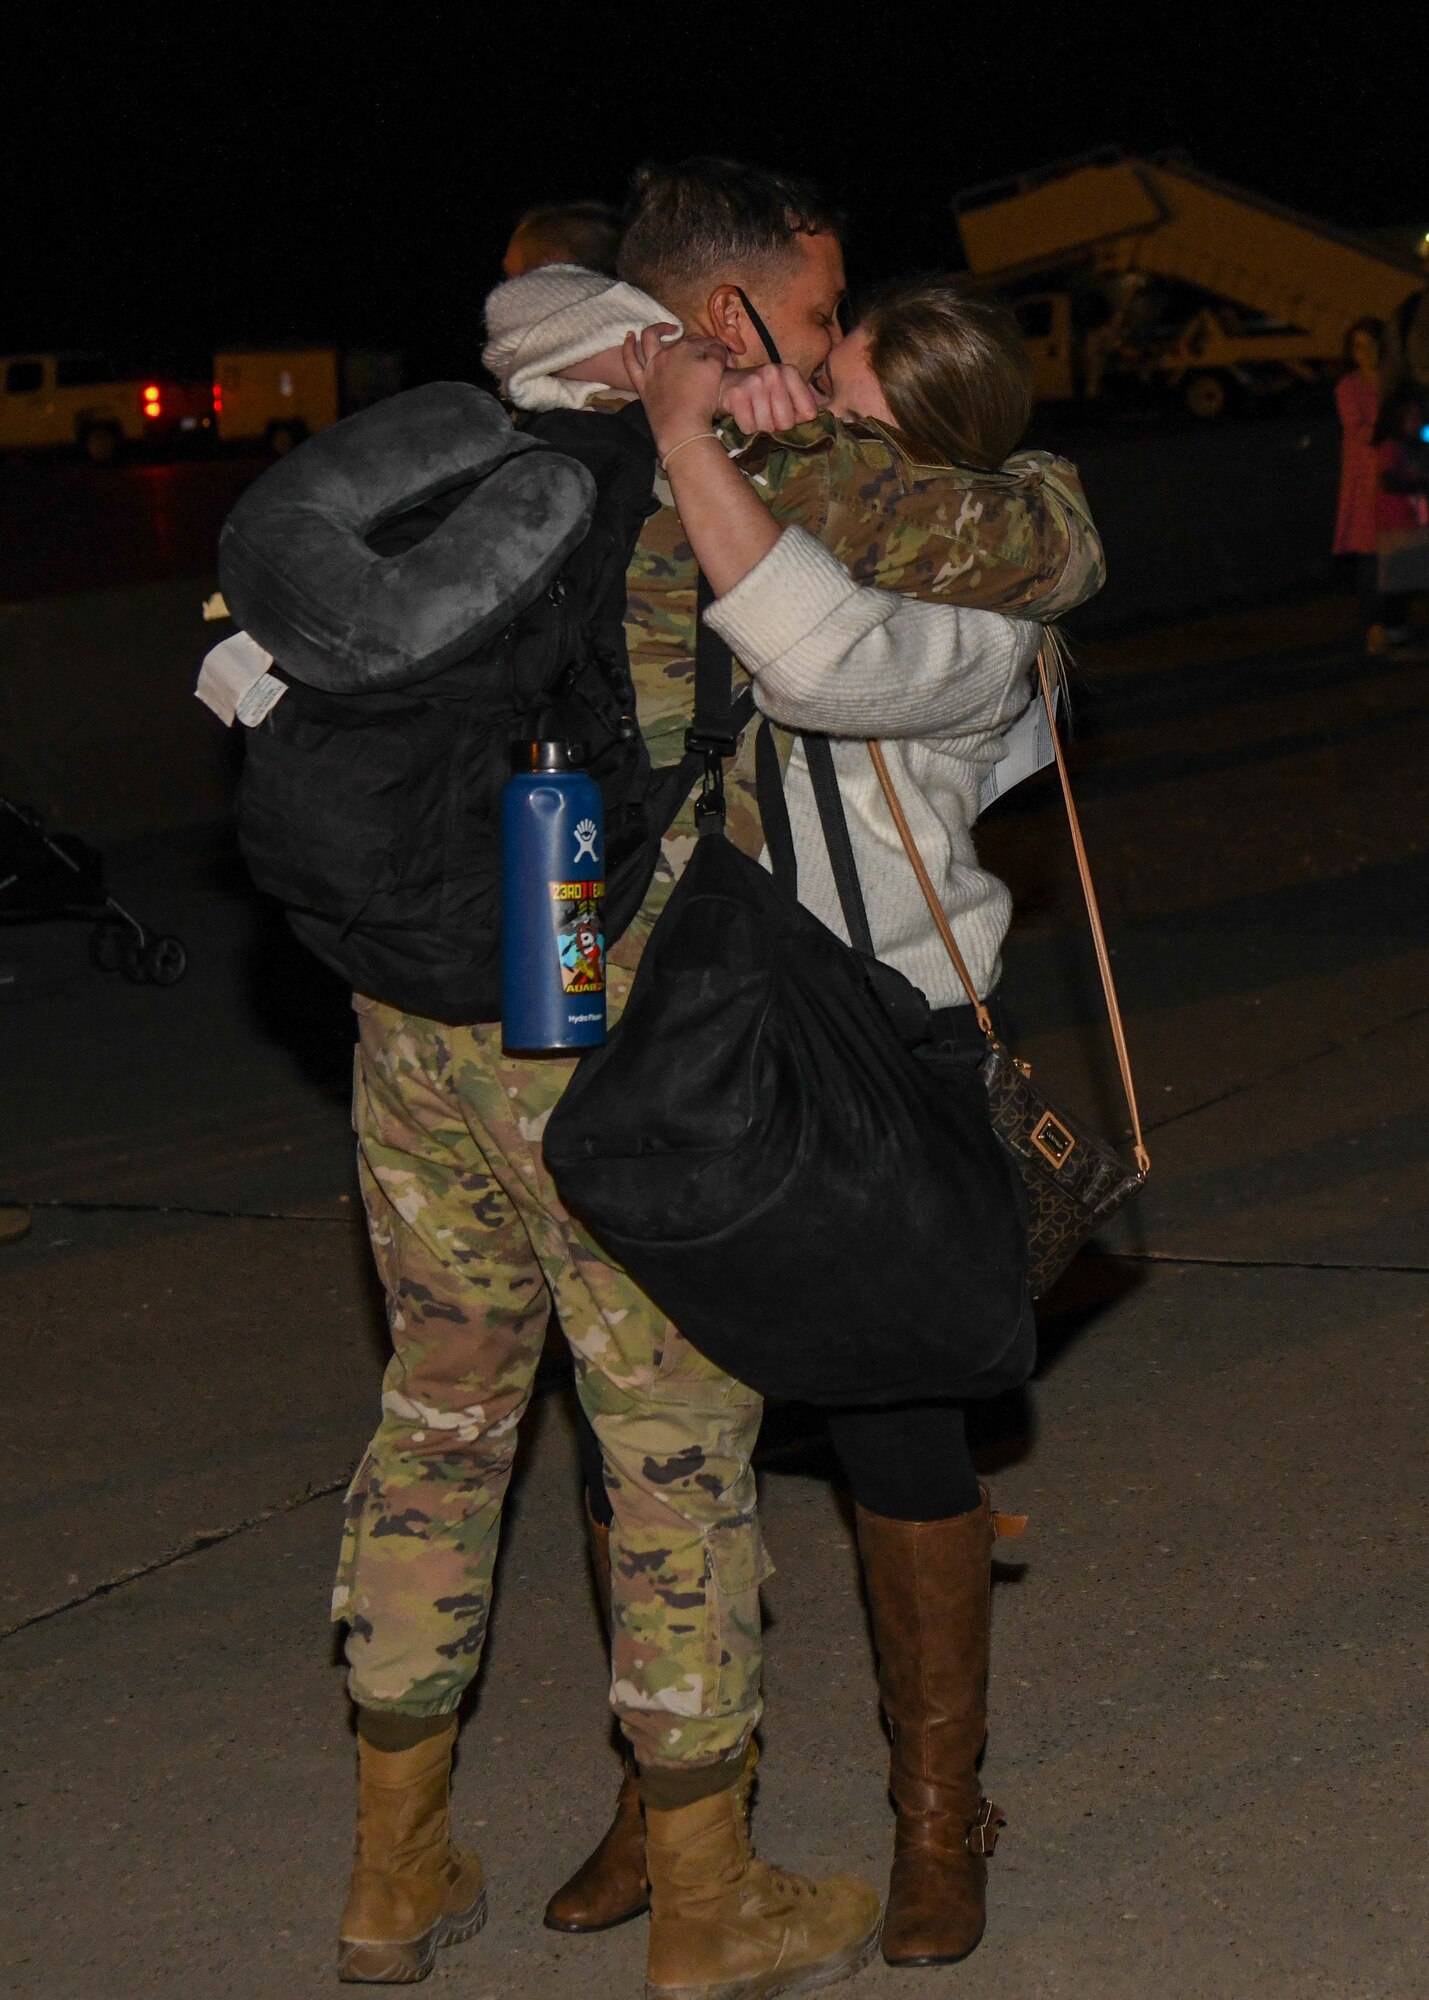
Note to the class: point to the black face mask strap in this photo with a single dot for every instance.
(759, 327)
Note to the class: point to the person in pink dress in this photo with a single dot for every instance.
(1402, 510)
(1357, 397)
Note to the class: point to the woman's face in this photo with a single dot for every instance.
(1364, 351)
(854, 389)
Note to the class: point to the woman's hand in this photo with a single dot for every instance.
(772, 398)
(685, 384)
(679, 384)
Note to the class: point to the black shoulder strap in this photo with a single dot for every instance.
(834, 822)
(779, 838)
(774, 811)
(904, 1004)
(718, 721)
(712, 727)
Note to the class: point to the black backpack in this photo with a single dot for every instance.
(436, 586)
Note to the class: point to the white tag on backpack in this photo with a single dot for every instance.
(266, 692)
(229, 672)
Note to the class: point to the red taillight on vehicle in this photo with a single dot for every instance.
(153, 402)
(218, 399)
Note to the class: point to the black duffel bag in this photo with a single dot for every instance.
(823, 1214)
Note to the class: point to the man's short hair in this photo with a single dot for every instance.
(570, 232)
(706, 218)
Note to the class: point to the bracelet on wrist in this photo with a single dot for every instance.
(693, 438)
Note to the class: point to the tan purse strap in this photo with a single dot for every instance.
(1089, 894)
(925, 883)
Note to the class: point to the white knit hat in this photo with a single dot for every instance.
(549, 319)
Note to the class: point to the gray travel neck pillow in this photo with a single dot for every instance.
(299, 563)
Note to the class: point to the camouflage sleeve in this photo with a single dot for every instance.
(793, 472)
(1020, 539)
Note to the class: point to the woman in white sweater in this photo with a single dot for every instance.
(852, 665)
(938, 684)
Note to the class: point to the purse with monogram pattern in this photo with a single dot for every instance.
(1074, 1180)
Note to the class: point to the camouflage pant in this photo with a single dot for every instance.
(472, 1243)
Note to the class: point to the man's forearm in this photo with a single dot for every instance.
(607, 367)
(1018, 541)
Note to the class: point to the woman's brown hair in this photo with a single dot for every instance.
(953, 369)
(1374, 328)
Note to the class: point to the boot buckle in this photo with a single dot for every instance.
(982, 1834)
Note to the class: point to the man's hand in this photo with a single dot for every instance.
(679, 384)
(772, 398)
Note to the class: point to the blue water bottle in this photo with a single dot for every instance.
(552, 904)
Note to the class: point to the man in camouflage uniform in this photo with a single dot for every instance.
(472, 1242)
(472, 1247)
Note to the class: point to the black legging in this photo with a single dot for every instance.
(909, 1463)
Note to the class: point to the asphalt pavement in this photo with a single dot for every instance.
(66, 526)
(1208, 1721)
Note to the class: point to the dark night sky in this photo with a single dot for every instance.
(203, 174)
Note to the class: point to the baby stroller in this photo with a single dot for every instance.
(49, 875)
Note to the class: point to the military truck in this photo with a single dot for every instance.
(1156, 273)
(277, 396)
(98, 404)
(268, 396)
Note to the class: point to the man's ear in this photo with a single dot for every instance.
(729, 322)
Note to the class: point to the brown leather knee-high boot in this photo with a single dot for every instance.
(610, 1886)
(928, 1588)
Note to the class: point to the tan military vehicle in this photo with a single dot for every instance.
(277, 396)
(73, 399)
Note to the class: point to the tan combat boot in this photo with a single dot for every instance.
(610, 1886)
(725, 1926)
(412, 1891)
(929, 1586)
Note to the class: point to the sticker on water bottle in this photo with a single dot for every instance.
(578, 912)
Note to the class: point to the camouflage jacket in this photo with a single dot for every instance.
(1019, 540)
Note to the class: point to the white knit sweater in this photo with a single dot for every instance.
(935, 683)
